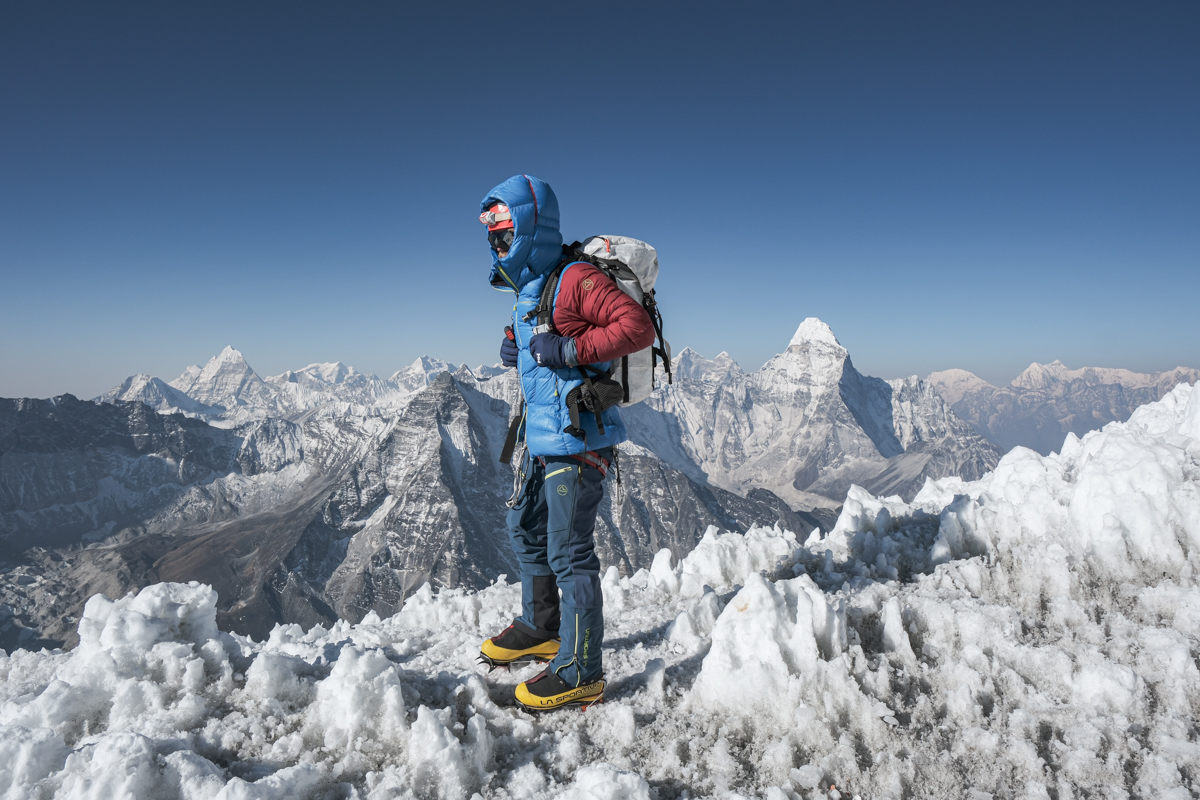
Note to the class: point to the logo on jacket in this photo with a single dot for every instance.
(562, 489)
(587, 284)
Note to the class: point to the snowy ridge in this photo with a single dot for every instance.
(1045, 376)
(1030, 634)
(160, 396)
(227, 391)
(1048, 401)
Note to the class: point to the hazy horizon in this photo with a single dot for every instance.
(977, 187)
(387, 373)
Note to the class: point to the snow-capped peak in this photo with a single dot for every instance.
(1043, 376)
(954, 384)
(162, 397)
(690, 364)
(337, 372)
(1038, 375)
(227, 362)
(421, 372)
(814, 357)
(226, 381)
(228, 356)
(813, 330)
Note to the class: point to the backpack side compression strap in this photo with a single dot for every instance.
(651, 306)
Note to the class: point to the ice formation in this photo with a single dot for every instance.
(1033, 634)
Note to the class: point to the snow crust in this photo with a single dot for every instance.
(1032, 634)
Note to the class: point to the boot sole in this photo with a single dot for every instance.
(584, 701)
(582, 705)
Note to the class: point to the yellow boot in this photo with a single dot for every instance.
(516, 645)
(547, 692)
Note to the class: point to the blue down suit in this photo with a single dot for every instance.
(552, 526)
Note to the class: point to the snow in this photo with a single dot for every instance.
(813, 330)
(1030, 634)
(1044, 376)
(955, 384)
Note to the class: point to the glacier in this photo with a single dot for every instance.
(1030, 634)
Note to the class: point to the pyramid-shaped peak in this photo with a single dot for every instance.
(228, 361)
(1038, 375)
(229, 356)
(812, 331)
(432, 364)
(422, 372)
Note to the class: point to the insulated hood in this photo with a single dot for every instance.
(537, 244)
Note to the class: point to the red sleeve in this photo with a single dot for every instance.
(605, 322)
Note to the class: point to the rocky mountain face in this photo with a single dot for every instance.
(318, 494)
(1047, 401)
(75, 472)
(326, 493)
(806, 425)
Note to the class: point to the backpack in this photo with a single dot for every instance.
(633, 266)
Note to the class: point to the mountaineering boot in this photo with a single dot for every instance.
(516, 645)
(547, 692)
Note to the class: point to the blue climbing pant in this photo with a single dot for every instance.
(553, 535)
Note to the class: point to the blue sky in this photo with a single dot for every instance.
(947, 185)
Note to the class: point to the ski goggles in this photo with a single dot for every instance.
(501, 239)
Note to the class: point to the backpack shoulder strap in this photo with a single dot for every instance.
(545, 307)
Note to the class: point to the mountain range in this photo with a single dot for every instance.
(1047, 401)
(326, 493)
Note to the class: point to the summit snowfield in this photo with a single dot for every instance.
(1031, 634)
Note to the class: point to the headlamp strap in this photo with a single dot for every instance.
(492, 217)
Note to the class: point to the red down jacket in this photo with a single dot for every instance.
(605, 322)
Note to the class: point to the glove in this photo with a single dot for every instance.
(508, 352)
(552, 350)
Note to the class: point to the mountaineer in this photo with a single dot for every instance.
(586, 322)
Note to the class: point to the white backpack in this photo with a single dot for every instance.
(633, 265)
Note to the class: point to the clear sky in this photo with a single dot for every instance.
(973, 185)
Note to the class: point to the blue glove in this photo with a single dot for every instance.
(508, 352)
(552, 350)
